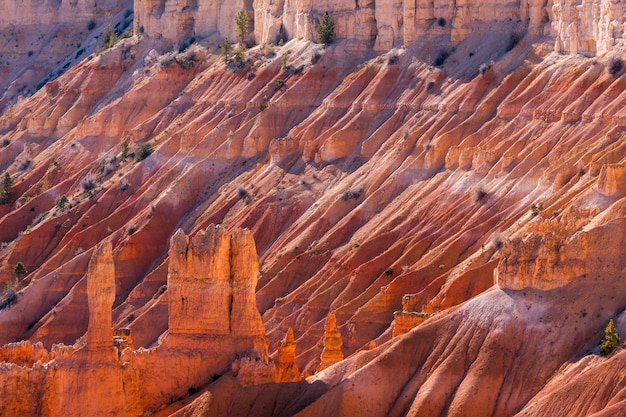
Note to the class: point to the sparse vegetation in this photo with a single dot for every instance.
(351, 195)
(611, 339)
(61, 202)
(19, 270)
(615, 66)
(484, 68)
(534, 209)
(24, 165)
(283, 61)
(109, 38)
(240, 54)
(7, 182)
(441, 58)
(124, 150)
(143, 151)
(227, 50)
(88, 183)
(10, 296)
(326, 30)
(479, 194)
(243, 194)
(279, 83)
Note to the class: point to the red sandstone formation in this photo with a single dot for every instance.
(331, 354)
(447, 179)
(286, 367)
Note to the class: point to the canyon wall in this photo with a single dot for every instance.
(590, 27)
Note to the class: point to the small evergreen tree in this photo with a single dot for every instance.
(61, 202)
(143, 151)
(240, 54)
(611, 339)
(326, 30)
(241, 25)
(19, 270)
(124, 150)
(109, 39)
(7, 182)
(227, 50)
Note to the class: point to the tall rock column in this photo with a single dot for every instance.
(200, 293)
(331, 354)
(101, 295)
(245, 317)
(286, 367)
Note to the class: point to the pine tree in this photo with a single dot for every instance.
(241, 25)
(611, 339)
(19, 270)
(326, 30)
(7, 182)
(227, 50)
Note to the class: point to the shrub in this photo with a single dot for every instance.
(479, 194)
(5, 142)
(534, 209)
(326, 30)
(484, 68)
(611, 339)
(109, 39)
(19, 270)
(441, 58)
(61, 202)
(441, 22)
(389, 272)
(24, 165)
(615, 66)
(10, 296)
(240, 54)
(88, 183)
(91, 25)
(144, 151)
(351, 195)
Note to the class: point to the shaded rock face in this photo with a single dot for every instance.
(42, 39)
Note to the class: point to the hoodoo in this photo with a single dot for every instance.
(428, 198)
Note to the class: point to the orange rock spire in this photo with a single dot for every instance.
(331, 354)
